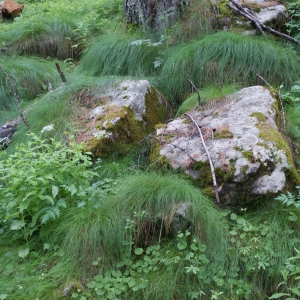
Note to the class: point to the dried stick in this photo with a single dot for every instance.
(282, 112)
(16, 97)
(264, 80)
(282, 115)
(250, 16)
(192, 84)
(61, 74)
(208, 157)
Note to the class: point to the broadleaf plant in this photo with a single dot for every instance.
(41, 179)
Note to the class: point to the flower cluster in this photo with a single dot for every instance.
(47, 128)
(101, 134)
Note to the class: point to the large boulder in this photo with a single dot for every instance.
(251, 157)
(120, 117)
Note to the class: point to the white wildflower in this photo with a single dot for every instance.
(47, 128)
(101, 134)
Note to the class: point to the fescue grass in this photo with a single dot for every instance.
(28, 76)
(116, 55)
(90, 232)
(226, 58)
(207, 93)
(56, 37)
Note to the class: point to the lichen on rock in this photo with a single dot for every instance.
(250, 156)
(126, 113)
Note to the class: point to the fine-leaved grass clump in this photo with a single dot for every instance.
(28, 77)
(55, 37)
(120, 55)
(226, 58)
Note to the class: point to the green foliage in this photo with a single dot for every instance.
(292, 25)
(41, 179)
(291, 100)
(119, 55)
(207, 93)
(290, 286)
(58, 37)
(226, 58)
(28, 77)
(290, 199)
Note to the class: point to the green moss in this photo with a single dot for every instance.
(244, 169)
(156, 159)
(249, 155)
(159, 126)
(224, 134)
(155, 112)
(223, 9)
(268, 133)
(252, 5)
(260, 117)
(123, 128)
(124, 134)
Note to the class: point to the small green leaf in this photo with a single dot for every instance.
(47, 246)
(181, 245)
(295, 291)
(138, 251)
(276, 296)
(16, 225)
(54, 191)
(23, 253)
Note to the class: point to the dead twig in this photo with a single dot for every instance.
(264, 80)
(192, 84)
(208, 157)
(16, 97)
(61, 74)
(282, 115)
(282, 112)
(238, 8)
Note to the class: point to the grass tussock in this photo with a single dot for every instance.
(28, 75)
(152, 200)
(120, 55)
(55, 37)
(226, 58)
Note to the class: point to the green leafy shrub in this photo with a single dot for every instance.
(292, 25)
(41, 179)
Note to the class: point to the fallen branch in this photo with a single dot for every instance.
(16, 97)
(61, 74)
(235, 6)
(208, 157)
(282, 112)
(192, 84)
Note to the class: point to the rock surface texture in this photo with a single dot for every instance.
(120, 116)
(250, 156)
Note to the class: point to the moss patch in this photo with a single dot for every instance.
(119, 130)
(249, 155)
(268, 133)
(260, 117)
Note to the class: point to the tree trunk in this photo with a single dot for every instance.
(155, 14)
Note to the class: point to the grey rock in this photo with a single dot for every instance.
(232, 133)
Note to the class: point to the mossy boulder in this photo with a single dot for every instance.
(123, 115)
(250, 155)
